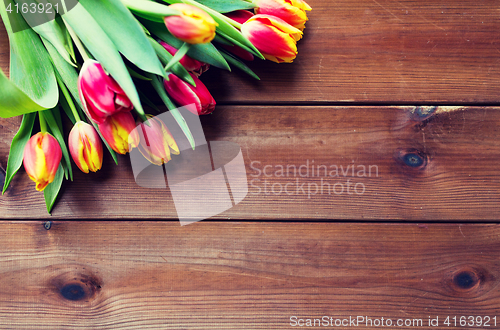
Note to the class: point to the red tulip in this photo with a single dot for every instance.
(156, 141)
(118, 131)
(291, 11)
(193, 26)
(85, 147)
(273, 37)
(185, 94)
(187, 62)
(42, 156)
(101, 96)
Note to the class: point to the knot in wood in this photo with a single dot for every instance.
(411, 158)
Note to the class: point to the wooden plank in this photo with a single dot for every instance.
(385, 51)
(157, 275)
(410, 163)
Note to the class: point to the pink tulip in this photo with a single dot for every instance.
(119, 131)
(156, 141)
(85, 147)
(101, 96)
(187, 62)
(273, 37)
(42, 156)
(185, 94)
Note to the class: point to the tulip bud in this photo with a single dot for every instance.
(273, 37)
(100, 94)
(85, 147)
(185, 94)
(192, 65)
(119, 131)
(42, 156)
(291, 11)
(193, 26)
(156, 141)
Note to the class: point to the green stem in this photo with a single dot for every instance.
(78, 43)
(68, 98)
(178, 56)
(43, 123)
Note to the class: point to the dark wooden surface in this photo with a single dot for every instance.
(421, 241)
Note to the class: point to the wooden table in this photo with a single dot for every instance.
(410, 89)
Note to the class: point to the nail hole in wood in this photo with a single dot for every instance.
(47, 225)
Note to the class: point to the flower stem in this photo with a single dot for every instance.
(43, 123)
(78, 43)
(68, 98)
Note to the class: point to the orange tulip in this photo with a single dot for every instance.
(85, 147)
(273, 37)
(156, 141)
(118, 131)
(42, 156)
(291, 11)
(193, 26)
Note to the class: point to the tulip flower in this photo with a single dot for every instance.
(193, 26)
(100, 94)
(85, 147)
(156, 141)
(185, 94)
(273, 37)
(192, 65)
(291, 11)
(119, 131)
(42, 156)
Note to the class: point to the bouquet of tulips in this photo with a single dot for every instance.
(89, 57)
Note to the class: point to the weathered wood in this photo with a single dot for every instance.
(419, 164)
(211, 275)
(384, 51)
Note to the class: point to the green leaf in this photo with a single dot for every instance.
(165, 57)
(17, 146)
(150, 10)
(239, 64)
(206, 53)
(158, 86)
(225, 6)
(56, 131)
(45, 25)
(125, 32)
(103, 49)
(52, 190)
(179, 54)
(32, 86)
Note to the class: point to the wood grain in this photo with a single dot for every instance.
(435, 163)
(384, 51)
(212, 275)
